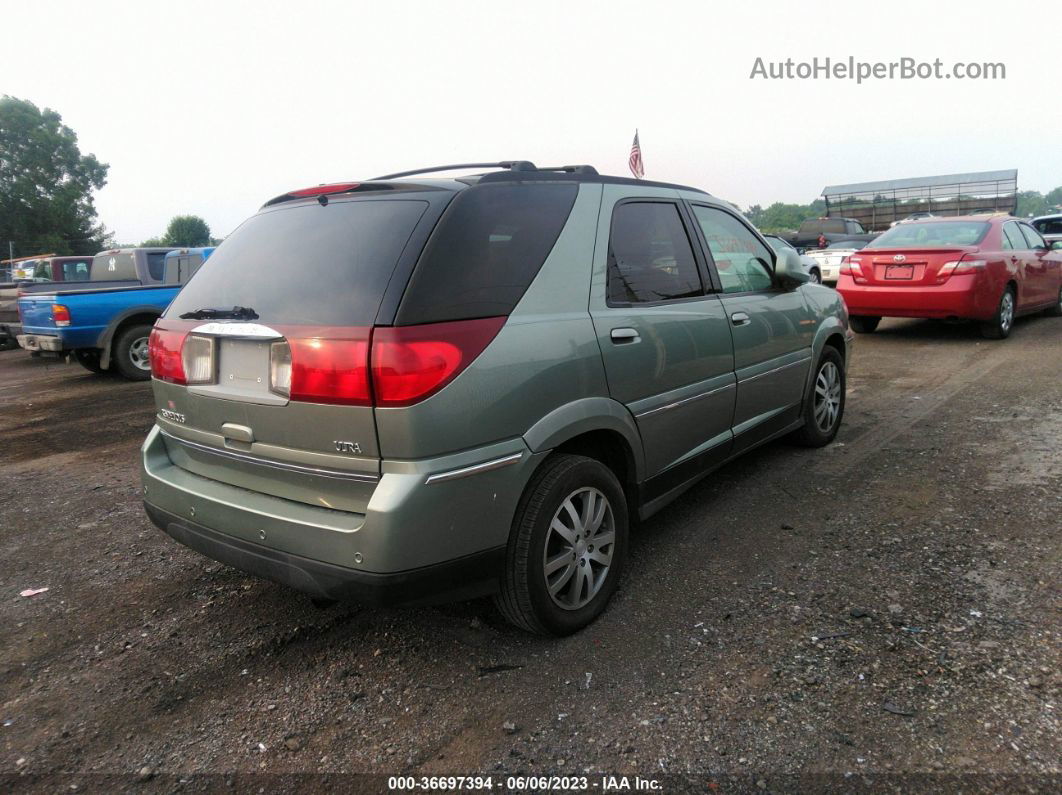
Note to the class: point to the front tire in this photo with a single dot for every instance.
(998, 328)
(131, 353)
(567, 547)
(864, 324)
(815, 276)
(824, 408)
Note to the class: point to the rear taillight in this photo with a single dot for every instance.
(410, 363)
(164, 352)
(853, 266)
(959, 267)
(60, 315)
(322, 369)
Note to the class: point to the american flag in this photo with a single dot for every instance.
(635, 161)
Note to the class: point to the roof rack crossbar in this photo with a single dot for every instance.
(512, 165)
(580, 169)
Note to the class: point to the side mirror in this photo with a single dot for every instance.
(789, 270)
(1057, 245)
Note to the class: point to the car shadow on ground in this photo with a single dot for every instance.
(913, 329)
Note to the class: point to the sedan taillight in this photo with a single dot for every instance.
(853, 266)
(959, 267)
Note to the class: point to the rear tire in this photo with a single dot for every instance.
(824, 407)
(89, 358)
(130, 353)
(1056, 310)
(998, 328)
(570, 503)
(864, 324)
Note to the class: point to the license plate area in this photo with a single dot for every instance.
(905, 272)
(242, 368)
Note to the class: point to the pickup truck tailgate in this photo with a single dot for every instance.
(36, 311)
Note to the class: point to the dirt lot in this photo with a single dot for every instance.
(883, 613)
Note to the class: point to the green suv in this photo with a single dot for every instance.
(410, 389)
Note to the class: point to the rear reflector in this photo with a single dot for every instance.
(60, 315)
(164, 351)
(410, 363)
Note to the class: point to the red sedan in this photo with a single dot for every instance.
(986, 268)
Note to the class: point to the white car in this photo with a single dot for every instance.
(811, 266)
(828, 259)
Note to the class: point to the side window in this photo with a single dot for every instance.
(156, 262)
(42, 272)
(742, 261)
(649, 255)
(1032, 236)
(1012, 238)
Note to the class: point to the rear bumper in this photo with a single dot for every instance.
(463, 578)
(422, 536)
(40, 342)
(960, 297)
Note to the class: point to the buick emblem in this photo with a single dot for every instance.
(899, 258)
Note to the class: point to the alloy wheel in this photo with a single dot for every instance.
(578, 551)
(1006, 311)
(138, 354)
(827, 396)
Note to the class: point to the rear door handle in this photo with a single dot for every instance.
(740, 319)
(625, 335)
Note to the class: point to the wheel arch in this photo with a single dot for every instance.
(597, 427)
(129, 317)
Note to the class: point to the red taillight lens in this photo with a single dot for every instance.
(959, 267)
(410, 363)
(325, 190)
(164, 351)
(60, 315)
(853, 267)
(322, 370)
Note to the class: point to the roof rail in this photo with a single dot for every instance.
(512, 165)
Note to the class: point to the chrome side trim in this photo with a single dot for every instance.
(265, 462)
(774, 370)
(475, 469)
(684, 401)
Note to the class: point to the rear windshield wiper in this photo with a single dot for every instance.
(236, 313)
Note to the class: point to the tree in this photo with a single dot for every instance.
(46, 184)
(1032, 202)
(187, 231)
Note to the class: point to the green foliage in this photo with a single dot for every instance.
(781, 217)
(1032, 202)
(152, 242)
(46, 184)
(186, 231)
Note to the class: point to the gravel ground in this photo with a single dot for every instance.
(880, 614)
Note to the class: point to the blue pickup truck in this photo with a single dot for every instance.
(105, 323)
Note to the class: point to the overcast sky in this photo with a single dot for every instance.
(212, 108)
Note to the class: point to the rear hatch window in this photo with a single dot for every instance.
(307, 263)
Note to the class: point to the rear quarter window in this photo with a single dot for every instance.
(486, 251)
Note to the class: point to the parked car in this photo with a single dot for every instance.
(38, 276)
(1050, 226)
(106, 324)
(828, 260)
(814, 231)
(409, 389)
(913, 217)
(811, 267)
(990, 269)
